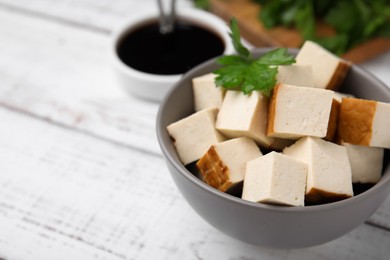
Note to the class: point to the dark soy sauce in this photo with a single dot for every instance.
(147, 50)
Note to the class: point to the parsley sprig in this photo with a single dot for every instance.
(243, 72)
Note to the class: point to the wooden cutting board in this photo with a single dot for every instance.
(246, 12)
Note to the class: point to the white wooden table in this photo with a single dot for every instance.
(81, 173)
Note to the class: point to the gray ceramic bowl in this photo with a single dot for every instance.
(267, 225)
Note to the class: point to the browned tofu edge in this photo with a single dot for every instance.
(355, 121)
(213, 171)
(339, 75)
(272, 110)
(333, 120)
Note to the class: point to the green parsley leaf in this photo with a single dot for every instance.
(232, 60)
(276, 57)
(236, 40)
(242, 72)
(231, 77)
(259, 77)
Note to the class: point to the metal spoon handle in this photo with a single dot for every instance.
(167, 22)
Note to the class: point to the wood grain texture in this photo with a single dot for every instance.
(81, 174)
(64, 75)
(65, 195)
(66, 192)
(98, 15)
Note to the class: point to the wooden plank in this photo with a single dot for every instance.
(102, 15)
(63, 88)
(247, 11)
(65, 195)
(64, 75)
(63, 68)
(54, 77)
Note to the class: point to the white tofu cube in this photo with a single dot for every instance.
(223, 165)
(300, 75)
(329, 176)
(366, 163)
(244, 115)
(329, 70)
(206, 93)
(275, 179)
(296, 111)
(364, 122)
(193, 135)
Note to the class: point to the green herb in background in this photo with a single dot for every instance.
(355, 21)
(246, 73)
(202, 4)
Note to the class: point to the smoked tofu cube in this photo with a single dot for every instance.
(364, 122)
(300, 75)
(206, 93)
(331, 134)
(296, 111)
(329, 176)
(193, 135)
(329, 70)
(275, 179)
(244, 115)
(366, 163)
(223, 165)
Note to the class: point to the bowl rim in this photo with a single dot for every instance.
(383, 182)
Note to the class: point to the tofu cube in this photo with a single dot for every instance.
(329, 176)
(331, 134)
(206, 93)
(244, 115)
(223, 165)
(275, 179)
(296, 111)
(329, 69)
(364, 122)
(300, 75)
(366, 163)
(193, 135)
